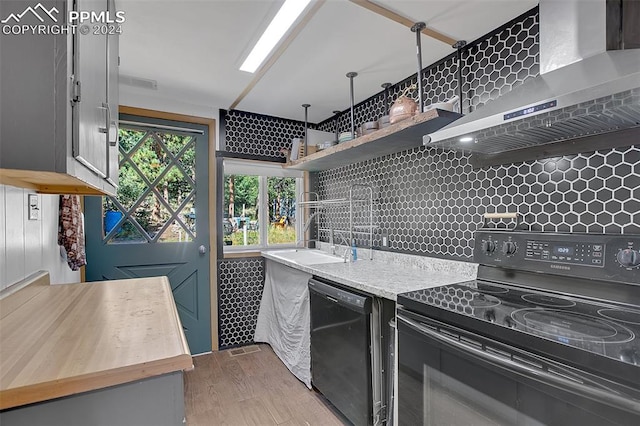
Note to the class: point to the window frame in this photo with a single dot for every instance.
(263, 170)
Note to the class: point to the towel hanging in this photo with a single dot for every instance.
(71, 231)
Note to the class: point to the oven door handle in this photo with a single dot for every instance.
(607, 396)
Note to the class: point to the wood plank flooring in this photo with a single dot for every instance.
(251, 386)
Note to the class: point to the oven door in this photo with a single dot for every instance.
(448, 376)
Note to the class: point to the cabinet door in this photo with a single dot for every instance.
(112, 102)
(90, 113)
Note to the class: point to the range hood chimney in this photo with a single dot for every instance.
(570, 31)
(582, 90)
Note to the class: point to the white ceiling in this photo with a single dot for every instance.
(193, 49)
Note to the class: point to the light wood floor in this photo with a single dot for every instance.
(235, 388)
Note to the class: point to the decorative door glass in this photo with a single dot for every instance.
(155, 202)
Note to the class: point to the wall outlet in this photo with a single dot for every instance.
(33, 207)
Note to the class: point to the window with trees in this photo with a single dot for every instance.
(259, 208)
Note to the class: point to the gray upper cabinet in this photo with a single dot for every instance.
(90, 112)
(59, 103)
(113, 61)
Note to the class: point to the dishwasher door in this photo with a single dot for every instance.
(340, 349)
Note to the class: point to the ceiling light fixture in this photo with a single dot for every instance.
(280, 24)
(466, 139)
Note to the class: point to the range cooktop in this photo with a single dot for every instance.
(605, 329)
(572, 297)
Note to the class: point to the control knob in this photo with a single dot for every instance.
(488, 246)
(630, 355)
(509, 247)
(628, 258)
(509, 322)
(490, 315)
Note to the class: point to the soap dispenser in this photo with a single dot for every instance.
(354, 250)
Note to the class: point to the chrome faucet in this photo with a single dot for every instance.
(332, 234)
(343, 239)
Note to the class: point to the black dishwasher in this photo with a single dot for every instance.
(340, 349)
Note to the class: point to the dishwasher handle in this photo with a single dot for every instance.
(354, 301)
(332, 299)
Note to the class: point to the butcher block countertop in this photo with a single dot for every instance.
(59, 340)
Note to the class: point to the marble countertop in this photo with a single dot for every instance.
(388, 274)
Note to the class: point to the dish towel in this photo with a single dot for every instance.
(71, 231)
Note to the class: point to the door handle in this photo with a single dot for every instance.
(202, 249)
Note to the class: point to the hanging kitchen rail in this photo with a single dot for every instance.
(417, 28)
(351, 75)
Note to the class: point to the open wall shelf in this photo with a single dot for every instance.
(397, 137)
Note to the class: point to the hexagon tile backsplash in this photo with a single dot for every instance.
(258, 135)
(240, 285)
(431, 201)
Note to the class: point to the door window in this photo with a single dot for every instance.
(155, 202)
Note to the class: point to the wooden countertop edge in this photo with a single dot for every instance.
(15, 296)
(59, 388)
(179, 328)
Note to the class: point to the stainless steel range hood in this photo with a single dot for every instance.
(572, 98)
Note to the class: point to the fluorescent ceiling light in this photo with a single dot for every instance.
(281, 23)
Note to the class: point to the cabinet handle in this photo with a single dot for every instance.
(105, 130)
(108, 122)
(114, 123)
(115, 141)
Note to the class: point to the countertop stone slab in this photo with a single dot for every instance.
(388, 274)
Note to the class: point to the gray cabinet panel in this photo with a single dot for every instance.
(29, 75)
(156, 401)
(112, 100)
(43, 127)
(90, 68)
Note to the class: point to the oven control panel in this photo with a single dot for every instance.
(597, 256)
(565, 252)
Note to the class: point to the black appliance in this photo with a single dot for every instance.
(549, 333)
(345, 350)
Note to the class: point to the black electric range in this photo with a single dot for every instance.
(573, 299)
